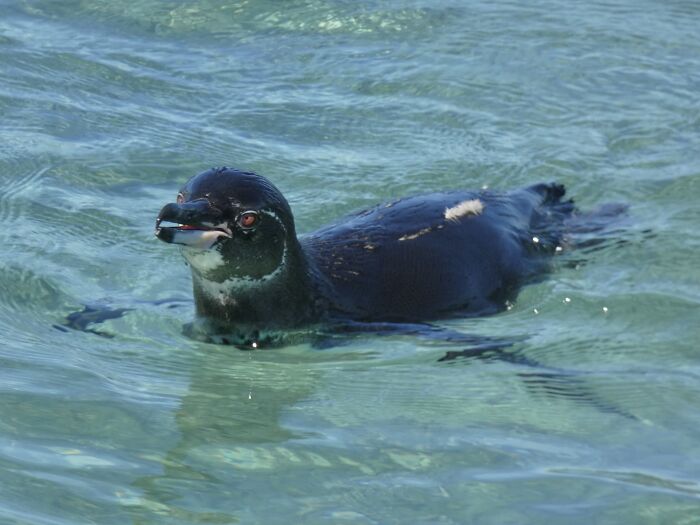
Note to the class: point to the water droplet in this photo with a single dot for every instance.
(254, 345)
(605, 309)
(558, 249)
(567, 299)
(535, 240)
(536, 311)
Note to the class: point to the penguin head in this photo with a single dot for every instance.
(232, 225)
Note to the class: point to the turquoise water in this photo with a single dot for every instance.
(105, 109)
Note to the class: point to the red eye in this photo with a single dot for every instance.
(248, 219)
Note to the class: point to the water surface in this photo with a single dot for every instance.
(107, 108)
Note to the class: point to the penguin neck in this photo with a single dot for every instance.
(282, 299)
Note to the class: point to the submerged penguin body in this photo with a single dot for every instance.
(414, 259)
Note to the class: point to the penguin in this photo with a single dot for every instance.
(411, 260)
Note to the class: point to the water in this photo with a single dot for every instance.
(106, 108)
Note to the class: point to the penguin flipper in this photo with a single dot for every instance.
(539, 379)
(97, 313)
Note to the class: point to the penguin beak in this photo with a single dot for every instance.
(197, 224)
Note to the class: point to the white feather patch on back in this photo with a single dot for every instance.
(411, 236)
(464, 209)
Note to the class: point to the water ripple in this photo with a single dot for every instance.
(108, 108)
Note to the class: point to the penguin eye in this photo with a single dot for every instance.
(247, 220)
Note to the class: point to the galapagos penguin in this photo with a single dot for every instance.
(414, 259)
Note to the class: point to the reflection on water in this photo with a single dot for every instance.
(228, 423)
(107, 108)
